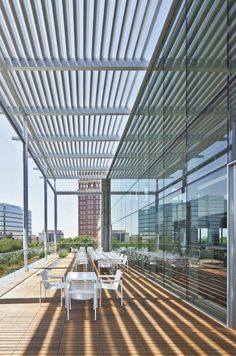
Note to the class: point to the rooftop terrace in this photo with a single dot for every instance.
(152, 322)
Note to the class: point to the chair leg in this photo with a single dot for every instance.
(40, 291)
(68, 307)
(121, 294)
(95, 306)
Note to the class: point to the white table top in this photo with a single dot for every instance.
(81, 276)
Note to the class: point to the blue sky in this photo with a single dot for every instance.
(11, 186)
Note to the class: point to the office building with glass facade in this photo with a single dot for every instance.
(11, 221)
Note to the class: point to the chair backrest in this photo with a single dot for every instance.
(118, 276)
(105, 263)
(44, 277)
(82, 290)
(124, 259)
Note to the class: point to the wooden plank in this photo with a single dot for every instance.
(152, 322)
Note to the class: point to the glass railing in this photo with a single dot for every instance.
(14, 260)
(195, 273)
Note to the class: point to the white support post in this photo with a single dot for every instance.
(25, 194)
(55, 216)
(45, 216)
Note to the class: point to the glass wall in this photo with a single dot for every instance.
(169, 179)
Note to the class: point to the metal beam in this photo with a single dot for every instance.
(71, 138)
(142, 111)
(167, 65)
(32, 111)
(81, 168)
(79, 193)
(87, 175)
(50, 184)
(30, 64)
(121, 192)
(73, 155)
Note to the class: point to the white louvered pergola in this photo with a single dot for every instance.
(70, 72)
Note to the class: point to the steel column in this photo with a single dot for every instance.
(45, 216)
(25, 197)
(55, 215)
(106, 215)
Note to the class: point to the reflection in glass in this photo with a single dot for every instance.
(174, 159)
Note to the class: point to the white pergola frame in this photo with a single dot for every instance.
(69, 77)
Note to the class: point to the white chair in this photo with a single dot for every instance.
(111, 282)
(81, 290)
(124, 262)
(81, 261)
(46, 282)
(116, 261)
(104, 263)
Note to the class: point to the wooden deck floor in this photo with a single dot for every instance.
(152, 322)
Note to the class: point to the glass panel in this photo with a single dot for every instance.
(175, 153)
(207, 206)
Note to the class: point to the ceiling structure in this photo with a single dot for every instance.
(70, 72)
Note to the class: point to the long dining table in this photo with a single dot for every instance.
(98, 256)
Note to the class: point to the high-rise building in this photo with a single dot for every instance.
(11, 221)
(88, 207)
